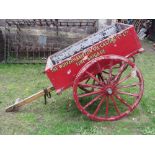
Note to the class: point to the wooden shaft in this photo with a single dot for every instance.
(28, 100)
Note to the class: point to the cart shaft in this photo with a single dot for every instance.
(28, 100)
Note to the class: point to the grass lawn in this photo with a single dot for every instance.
(20, 81)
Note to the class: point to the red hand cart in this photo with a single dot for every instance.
(101, 69)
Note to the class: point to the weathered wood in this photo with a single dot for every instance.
(27, 100)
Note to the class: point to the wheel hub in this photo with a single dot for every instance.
(109, 91)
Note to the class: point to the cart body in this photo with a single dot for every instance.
(118, 39)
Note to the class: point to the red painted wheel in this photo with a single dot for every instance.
(115, 91)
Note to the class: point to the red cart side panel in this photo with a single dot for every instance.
(63, 74)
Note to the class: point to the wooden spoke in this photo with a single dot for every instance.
(93, 83)
(115, 105)
(89, 94)
(107, 106)
(87, 80)
(117, 77)
(110, 72)
(99, 106)
(99, 67)
(89, 85)
(128, 86)
(84, 89)
(93, 77)
(100, 77)
(124, 79)
(123, 101)
(107, 73)
(126, 93)
(92, 101)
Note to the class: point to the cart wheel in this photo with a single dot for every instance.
(114, 95)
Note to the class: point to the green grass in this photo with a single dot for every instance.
(20, 81)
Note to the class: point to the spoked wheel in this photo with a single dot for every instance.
(113, 95)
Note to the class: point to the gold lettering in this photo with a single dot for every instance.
(54, 69)
(102, 51)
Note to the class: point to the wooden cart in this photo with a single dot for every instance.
(101, 69)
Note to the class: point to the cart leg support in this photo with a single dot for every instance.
(18, 103)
